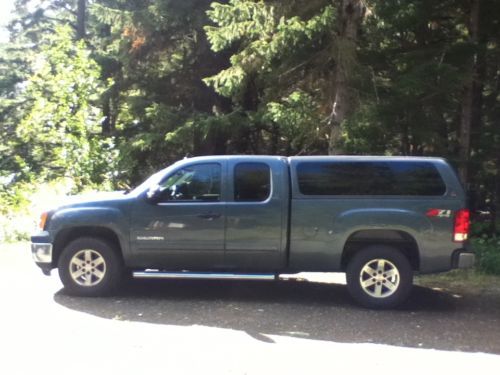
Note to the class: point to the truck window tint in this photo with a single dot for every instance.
(370, 178)
(195, 183)
(252, 182)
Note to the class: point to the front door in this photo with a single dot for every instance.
(184, 227)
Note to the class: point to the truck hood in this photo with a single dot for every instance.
(89, 198)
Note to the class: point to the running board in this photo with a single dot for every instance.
(202, 275)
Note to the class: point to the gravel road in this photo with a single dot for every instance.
(229, 327)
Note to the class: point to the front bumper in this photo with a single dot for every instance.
(41, 252)
(42, 255)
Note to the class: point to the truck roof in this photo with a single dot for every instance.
(320, 158)
(367, 158)
(237, 157)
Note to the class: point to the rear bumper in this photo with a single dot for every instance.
(463, 259)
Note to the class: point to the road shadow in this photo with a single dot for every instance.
(430, 318)
(284, 293)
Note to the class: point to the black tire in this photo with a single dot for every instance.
(101, 271)
(386, 273)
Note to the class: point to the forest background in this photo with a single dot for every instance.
(98, 94)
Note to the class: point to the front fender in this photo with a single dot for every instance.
(102, 217)
(86, 216)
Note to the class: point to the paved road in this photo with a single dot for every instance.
(211, 327)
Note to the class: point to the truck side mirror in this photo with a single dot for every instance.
(154, 193)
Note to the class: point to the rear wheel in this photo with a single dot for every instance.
(90, 267)
(379, 277)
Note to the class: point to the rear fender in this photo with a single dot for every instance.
(355, 220)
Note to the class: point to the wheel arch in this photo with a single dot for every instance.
(66, 235)
(396, 238)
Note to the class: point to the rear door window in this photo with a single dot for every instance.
(252, 182)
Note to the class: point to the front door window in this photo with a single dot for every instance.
(197, 183)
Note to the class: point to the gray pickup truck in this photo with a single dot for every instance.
(378, 219)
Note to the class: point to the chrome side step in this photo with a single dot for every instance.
(150, 274)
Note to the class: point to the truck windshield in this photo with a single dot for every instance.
(150, 181)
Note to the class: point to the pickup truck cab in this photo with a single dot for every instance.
(378, 219)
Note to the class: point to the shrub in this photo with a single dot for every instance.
(22, 203)
(488, 254)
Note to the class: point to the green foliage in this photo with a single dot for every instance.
(488, 254)
(297, 118)
(265, 34)
(156, 80)
(280, 68)
(22, 203)
(366, 134)
(62, 124)
(14, 70)
(14, 202)
(413, 66)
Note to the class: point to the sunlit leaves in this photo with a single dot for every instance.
(297, 116)
(62, 125)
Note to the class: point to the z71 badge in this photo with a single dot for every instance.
(436, 212)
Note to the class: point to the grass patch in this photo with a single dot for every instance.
(472, 281)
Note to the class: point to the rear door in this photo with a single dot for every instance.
(257, 214)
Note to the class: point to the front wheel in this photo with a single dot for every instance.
(90, 267)
(379, 277)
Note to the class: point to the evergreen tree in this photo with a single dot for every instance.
(156, 80)
(61, 126)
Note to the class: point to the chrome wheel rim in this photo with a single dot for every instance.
(379, 278)
(87, 267)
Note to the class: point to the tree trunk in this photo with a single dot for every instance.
(81, 11)
(469, 96)
(351, 16)
(496, 200)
